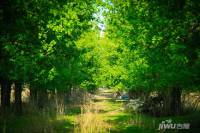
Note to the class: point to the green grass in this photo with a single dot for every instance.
(36, 124)
(124, 122)
(40, 122)
(110, 111)
(121, 121)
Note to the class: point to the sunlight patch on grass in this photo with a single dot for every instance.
(90, 121)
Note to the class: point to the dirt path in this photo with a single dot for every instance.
(110, 111)
(105, 115)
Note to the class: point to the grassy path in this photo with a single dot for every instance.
(101, 115)
(112, 116)
(105, 115)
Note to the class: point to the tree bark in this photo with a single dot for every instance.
(42, 99)
(131, 94)
(175, 102)
(18, 98)
(33, 95)
(5, 95)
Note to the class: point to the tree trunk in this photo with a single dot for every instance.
(131, 94)
(175, 102)
(18, 98)
(5, 95)
(171, 101)
(166, 102)
(33, 96)
(42, 99)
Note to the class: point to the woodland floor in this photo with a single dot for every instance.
(120, 121)
(111, 113)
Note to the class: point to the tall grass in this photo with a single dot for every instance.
(90, 121)
(55, 116)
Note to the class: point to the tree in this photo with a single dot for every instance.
(154, 34)
(38, 45)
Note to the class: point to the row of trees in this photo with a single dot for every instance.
(148, 45)
(160, 46)
(38, 46)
